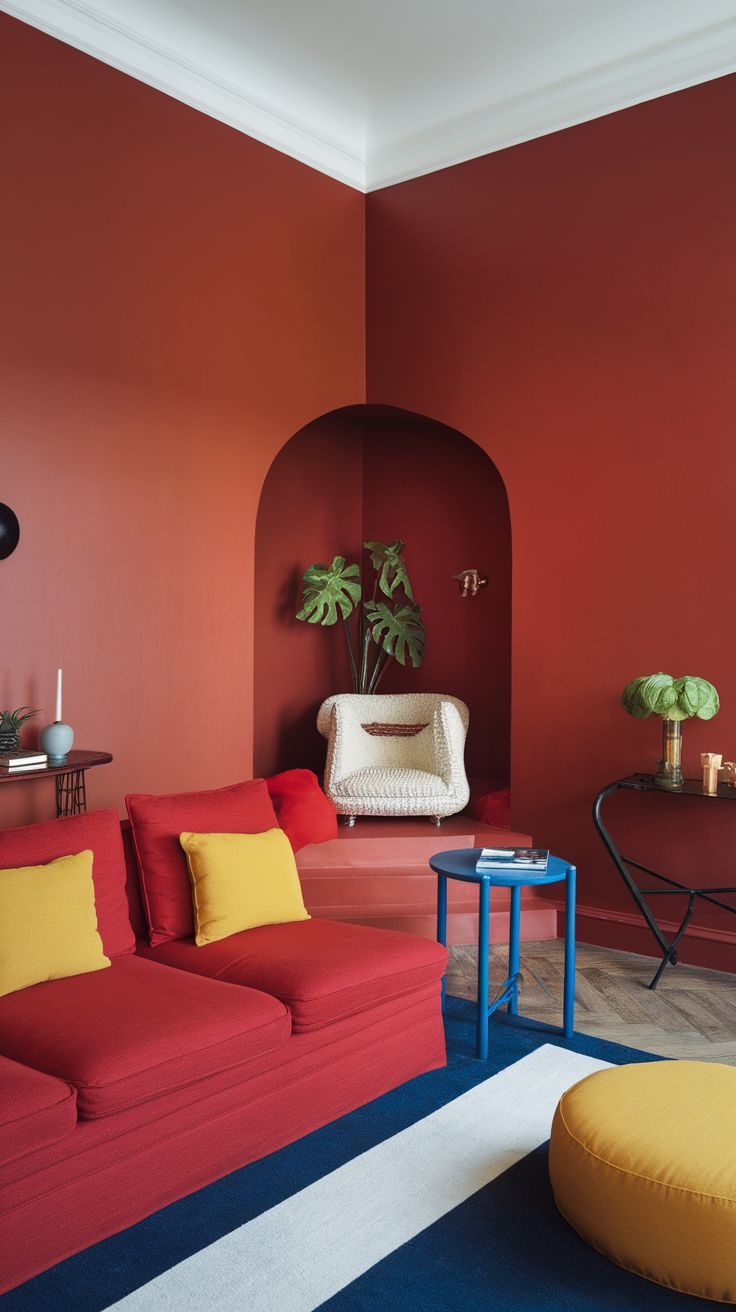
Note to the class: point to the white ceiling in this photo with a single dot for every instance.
(376, 91)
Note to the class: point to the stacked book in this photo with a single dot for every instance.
(533, 860)
(16, 762)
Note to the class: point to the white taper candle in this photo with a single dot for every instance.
(58, 696)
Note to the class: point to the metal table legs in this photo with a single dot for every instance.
(508, 992)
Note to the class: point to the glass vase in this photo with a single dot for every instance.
(669, 768)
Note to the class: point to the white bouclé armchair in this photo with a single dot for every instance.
(399, 754)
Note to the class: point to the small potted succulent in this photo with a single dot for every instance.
(10, 724)
(675, 700)
(384, 630)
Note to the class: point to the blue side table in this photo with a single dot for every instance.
(460, 864)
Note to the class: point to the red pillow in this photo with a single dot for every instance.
(156, 823)
(302, 810)
(36, 845)
(490, 803)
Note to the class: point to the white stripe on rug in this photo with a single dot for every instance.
(301, 1252)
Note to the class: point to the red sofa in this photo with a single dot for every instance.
(126, 1088)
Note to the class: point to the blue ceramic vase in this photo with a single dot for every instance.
(56, 741)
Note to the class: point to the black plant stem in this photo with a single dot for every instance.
(382, 664)
(364, 662)
(351, 653)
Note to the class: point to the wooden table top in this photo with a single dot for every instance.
(75, 760)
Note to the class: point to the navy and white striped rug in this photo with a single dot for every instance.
(434, 1195)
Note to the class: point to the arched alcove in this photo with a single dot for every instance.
(376, 473)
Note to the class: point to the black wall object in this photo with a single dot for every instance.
(9, 531)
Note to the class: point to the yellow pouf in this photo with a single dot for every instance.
(642, 1161)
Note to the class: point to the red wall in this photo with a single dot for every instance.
(376, 474)
(310, 511)
(569, 305)
(178, 300)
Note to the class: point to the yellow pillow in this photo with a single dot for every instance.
(48, 923)
(240, 881)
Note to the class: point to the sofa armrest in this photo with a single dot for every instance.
(449, 747)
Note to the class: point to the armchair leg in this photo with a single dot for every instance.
(350, 820)
(437, 819)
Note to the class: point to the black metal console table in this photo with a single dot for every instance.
(691, 788)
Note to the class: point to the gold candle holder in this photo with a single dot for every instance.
(711, 763)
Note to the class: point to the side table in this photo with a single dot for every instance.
(71, 791)
(643, 783)
(460, 864)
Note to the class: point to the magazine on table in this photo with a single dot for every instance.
(532, 859)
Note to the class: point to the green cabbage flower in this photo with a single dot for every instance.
(673, 699)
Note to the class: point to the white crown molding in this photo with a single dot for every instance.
(665, 68)
(657, 71)
(81, 25)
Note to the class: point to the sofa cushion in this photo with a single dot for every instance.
(324, 970)
(139, 1029)
(240, 881)
(35, 1110)
(391, 781)
(48, 926)
(33, 845)
(302, 810)
(157, 822)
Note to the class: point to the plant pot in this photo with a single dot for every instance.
(9, 741)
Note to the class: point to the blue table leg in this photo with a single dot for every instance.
(568, 1014)
(514, 931)
(484, 907)
(442, 920)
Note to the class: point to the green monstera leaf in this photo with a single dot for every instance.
(673, 699)
(397, 631)
(389, 565)
(326, 589)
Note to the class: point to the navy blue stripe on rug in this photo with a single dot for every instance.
(508, 1249)
(100, 1276)
(302, 1252)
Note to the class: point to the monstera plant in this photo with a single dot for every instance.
(383, 630)
(675, 700)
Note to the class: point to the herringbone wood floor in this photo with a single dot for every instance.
(692, 1014)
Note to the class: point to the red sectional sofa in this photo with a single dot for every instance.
(126, 1088)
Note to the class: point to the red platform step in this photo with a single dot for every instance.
(377, 873)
